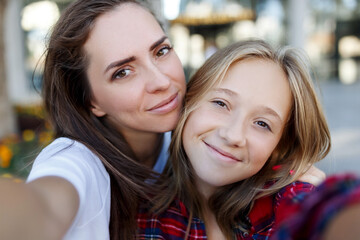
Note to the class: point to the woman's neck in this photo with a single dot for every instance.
(146, 147)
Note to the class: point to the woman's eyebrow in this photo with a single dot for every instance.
(119, 63)
(158, 42)
(133, 58)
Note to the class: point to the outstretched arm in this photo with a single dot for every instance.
(331, 211)
(42, 209)
(345, 225)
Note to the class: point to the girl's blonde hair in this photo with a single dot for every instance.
(305, 140)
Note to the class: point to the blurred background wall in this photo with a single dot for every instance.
(328, 30)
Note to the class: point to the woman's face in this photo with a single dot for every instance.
(136, 78)
(238, 124)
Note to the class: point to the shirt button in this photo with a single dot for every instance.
(245, 234)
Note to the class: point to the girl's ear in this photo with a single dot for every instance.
(97, 111)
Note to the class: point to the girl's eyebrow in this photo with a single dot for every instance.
(271, 112)
(264, 109)
(225, 91)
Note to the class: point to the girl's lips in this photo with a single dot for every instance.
(167, 105)
(222, 153)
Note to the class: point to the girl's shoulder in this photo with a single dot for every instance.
(288, 198)
(268, 210)
(295, 192)
(170, 224)
(314, 213)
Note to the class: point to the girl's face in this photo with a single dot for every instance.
(136, 78)
(238, 124)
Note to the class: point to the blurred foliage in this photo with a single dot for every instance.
(18, 150)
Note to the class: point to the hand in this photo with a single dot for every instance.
(345, 224)
(314, 175)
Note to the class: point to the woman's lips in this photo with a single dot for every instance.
(167, 105)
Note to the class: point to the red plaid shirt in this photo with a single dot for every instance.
(311, 218)
(172, 223)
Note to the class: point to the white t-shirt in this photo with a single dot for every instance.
(74, 162)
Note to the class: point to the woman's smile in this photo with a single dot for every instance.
(167, 105)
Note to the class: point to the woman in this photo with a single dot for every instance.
(113, 86)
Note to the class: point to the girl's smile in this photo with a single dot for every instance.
(222, 155)
(231, 134)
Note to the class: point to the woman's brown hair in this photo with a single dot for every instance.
(67, 96)
(305, 140)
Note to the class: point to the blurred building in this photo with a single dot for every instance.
(327, 30)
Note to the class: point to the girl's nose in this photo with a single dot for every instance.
(234, 133)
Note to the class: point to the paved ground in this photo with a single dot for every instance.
(342, 107)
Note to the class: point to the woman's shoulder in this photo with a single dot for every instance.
(67, 151)
(69, 159)
(64, 145)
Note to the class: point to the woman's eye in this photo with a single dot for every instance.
(121, 73)
(263, 124)
(163, 51)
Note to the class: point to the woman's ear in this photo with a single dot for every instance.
(97, 111)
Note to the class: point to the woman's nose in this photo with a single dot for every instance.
(157, 80)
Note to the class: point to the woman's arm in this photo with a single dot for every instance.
(42, 209)
(345, 225)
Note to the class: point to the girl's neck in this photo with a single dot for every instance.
(213, 230)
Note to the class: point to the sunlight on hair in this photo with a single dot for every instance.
(348, 71)
(171, 9)
(40, 15)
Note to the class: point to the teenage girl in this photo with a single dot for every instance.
(251, 125)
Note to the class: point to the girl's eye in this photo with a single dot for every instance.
(220, 103)
(163, 51)
(263, 124)
(121, 73)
